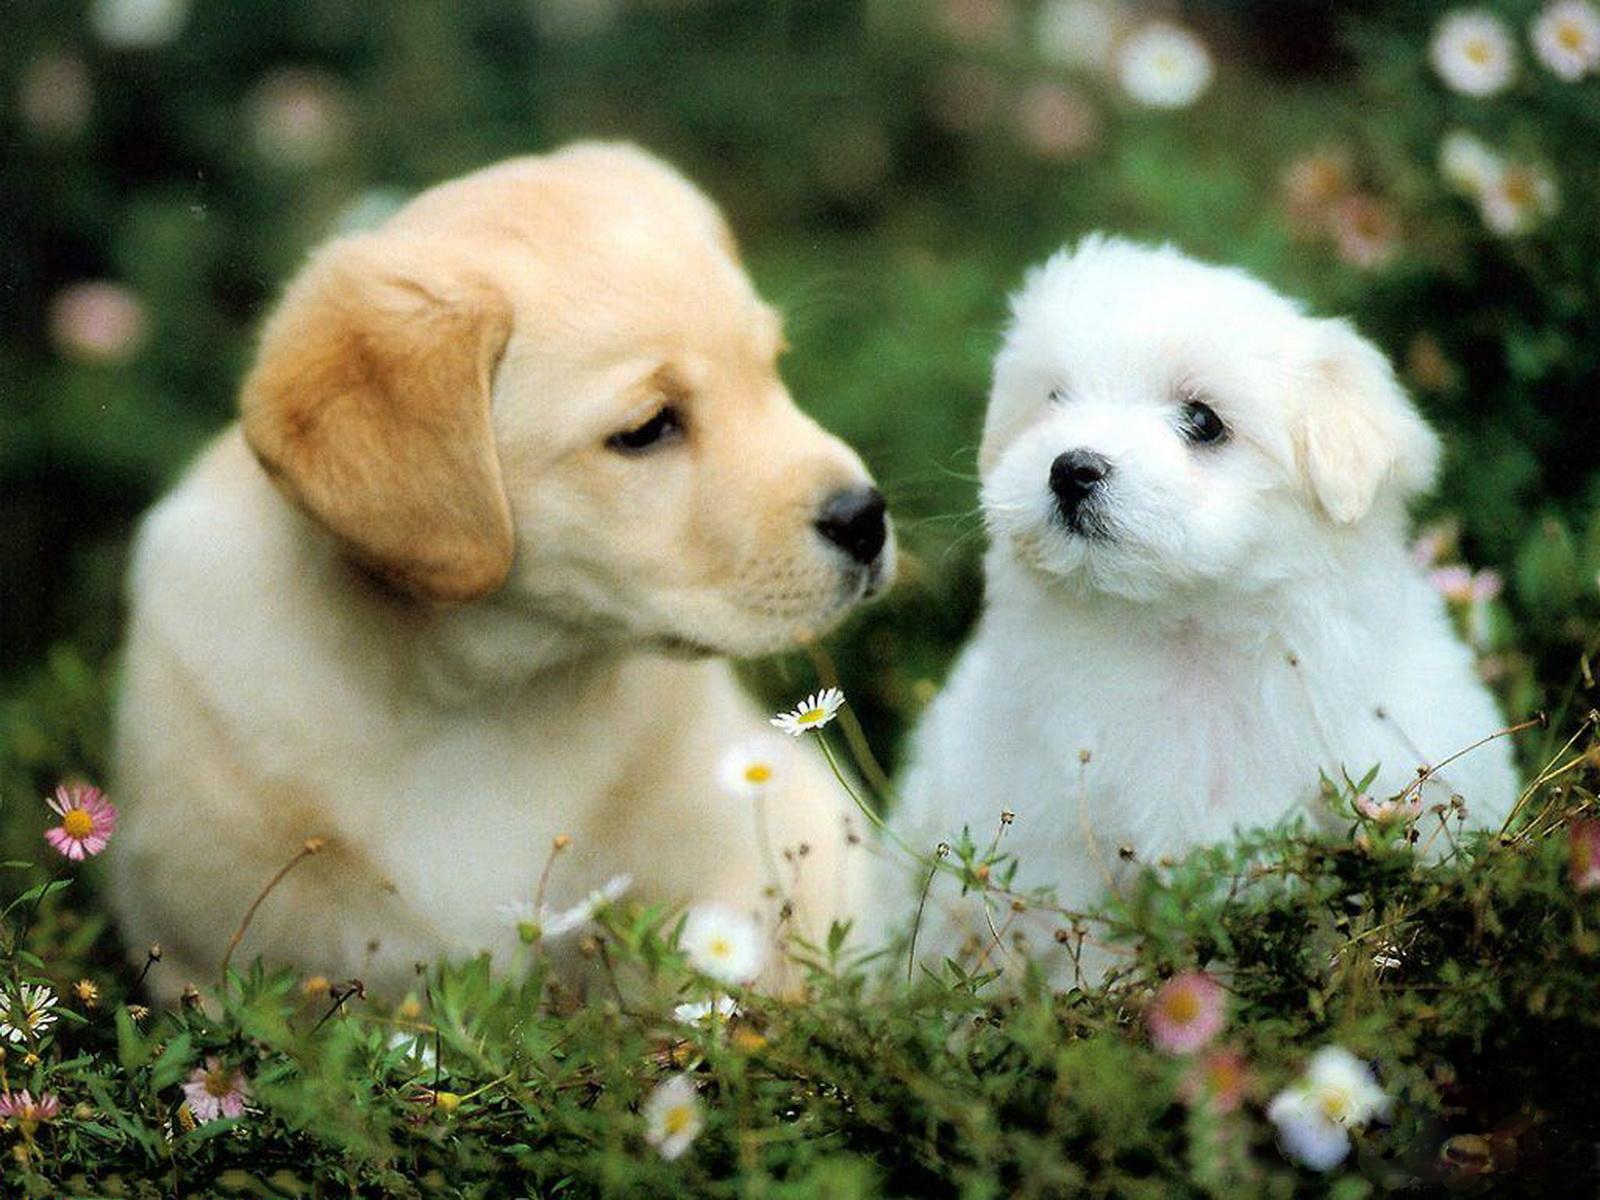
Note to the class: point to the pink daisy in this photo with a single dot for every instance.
(87, 819)
(1585, 848)
(215, 1091)
(27, 1111)
(1187, 1012)
(1219, 1079)
(1396, 808)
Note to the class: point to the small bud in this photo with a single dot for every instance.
(1007, 816)
(560, 842)
(410, 1009)
(1125, 852)
(1083, 757)
(446, 1102)
(942, 850)
(190, 998)
(1063, 936)
(529, 932)
(981, 874)
(1018, 906)
(315, 845)
(154, 953)
(317, 985)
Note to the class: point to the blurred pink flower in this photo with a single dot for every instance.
(1186, 1013)
(1311, 185)
(1366, 231)
(214, 1091)
(1453, 582)
(1219, 1079)
(87, 819)
(97, 321)
(299, 117)
(1434, 542)
(976, 21)
(55, 96)
(1585, 854)
(1056, 122)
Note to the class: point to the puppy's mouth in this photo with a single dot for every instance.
(1086, 521)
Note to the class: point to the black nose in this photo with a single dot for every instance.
(853, 521)
(1075, 475)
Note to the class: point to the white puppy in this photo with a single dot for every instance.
(1199, 594)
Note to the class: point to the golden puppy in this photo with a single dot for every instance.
(510, 470)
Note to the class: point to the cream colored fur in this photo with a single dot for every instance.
(447, 623)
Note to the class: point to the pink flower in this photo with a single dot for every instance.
(28, 1112)
(1453, 582)
(214, 1091)
(87, 819)
(1486, 585)
(1433, 543)
(97, 322)
(1396, 808)
(1365, 231)
(1056, 122)
(1585, 849)
(1187, 1012)
(1218, 1079)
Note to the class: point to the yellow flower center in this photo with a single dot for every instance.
(1336, 1105)
(219, 1084)
(758, 773)
(1478, 50)
(1519, 189)
(720, 948)
(812, 715)
(78, 824)
(678, 1119)
(1183, 1006)
(1570, 37)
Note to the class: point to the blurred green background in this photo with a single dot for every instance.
(890, 168)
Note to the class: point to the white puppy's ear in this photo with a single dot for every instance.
(1357, 435)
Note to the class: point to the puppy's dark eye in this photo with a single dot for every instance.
(1201, 425)
(1057, 395)
(666, 426)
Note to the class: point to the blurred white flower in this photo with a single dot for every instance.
(1566, 38)
(1466, 163)
(138, 24)
(1164, 66)
(1056, 122)
(55, 96)
(545, 924)
(97, 321)
(1518, 198)
(1078, 33)
(1337, 1093)
(1473, 52)
(724, 943)
(570, 20)
(753, 768)
(299, 117)
(672, 1117)
(723, 1008)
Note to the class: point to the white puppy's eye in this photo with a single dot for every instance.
(1057, 395)
(664, 427)
(1201, 425)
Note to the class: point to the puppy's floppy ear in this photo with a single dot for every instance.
(369, 407)
(1357, 434)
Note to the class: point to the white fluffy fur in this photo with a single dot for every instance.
(1252, 619)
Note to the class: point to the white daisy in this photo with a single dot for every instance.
(1466, 163)
(1164, 66)
(1517, 198)
(813, 712)
(1473, 52)
(1337, 1093)
(34, 1015)
(723, 1008)
(672, 1117)
(545, 924)
(1566, 38)
(724, 943)
(752, 769)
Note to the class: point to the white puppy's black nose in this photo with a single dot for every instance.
(854, 521)
(1074, 476)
